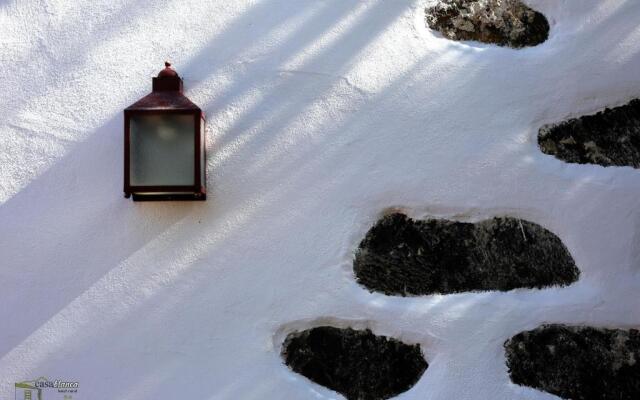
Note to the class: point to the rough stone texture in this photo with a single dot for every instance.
(502, 22)
(579, 363)
(400, 256)
(357, 364)
(609, 138)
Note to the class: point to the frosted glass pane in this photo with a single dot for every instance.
(162, 150)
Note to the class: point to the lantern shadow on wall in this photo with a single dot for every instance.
(164, 144)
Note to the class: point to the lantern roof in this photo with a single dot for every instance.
(163, 101)
(166, 94)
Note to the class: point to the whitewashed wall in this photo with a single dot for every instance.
(321, 115)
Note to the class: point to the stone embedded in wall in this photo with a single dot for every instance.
(579, 363)
(502, 22)
(609, 138)
(355, 363)
(400, 256)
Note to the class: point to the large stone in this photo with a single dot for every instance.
(502, 22)
(609, 138)
(578, 363)
(400, 256)
(357, 364)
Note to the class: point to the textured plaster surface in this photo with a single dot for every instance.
(320, 116)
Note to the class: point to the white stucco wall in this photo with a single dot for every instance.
(321, 115)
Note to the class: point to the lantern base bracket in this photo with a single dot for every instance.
(169, 197)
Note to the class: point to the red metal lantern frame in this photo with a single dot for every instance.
(167, 98)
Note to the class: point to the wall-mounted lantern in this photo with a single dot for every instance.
(164, 144)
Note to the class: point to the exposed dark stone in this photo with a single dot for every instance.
(610, 137)
(579, 363)
(502, 22)
(400, 256)
(357, 364)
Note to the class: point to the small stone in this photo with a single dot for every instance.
(608, 138)
(569, 140)
(400, 256)
(502, 22)
(355, 363)
(586, 363)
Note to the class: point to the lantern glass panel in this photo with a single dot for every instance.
(162, 149)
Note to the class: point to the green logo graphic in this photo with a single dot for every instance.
(27, 390)
(58, 389)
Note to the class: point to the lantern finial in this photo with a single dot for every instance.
(167, 71)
